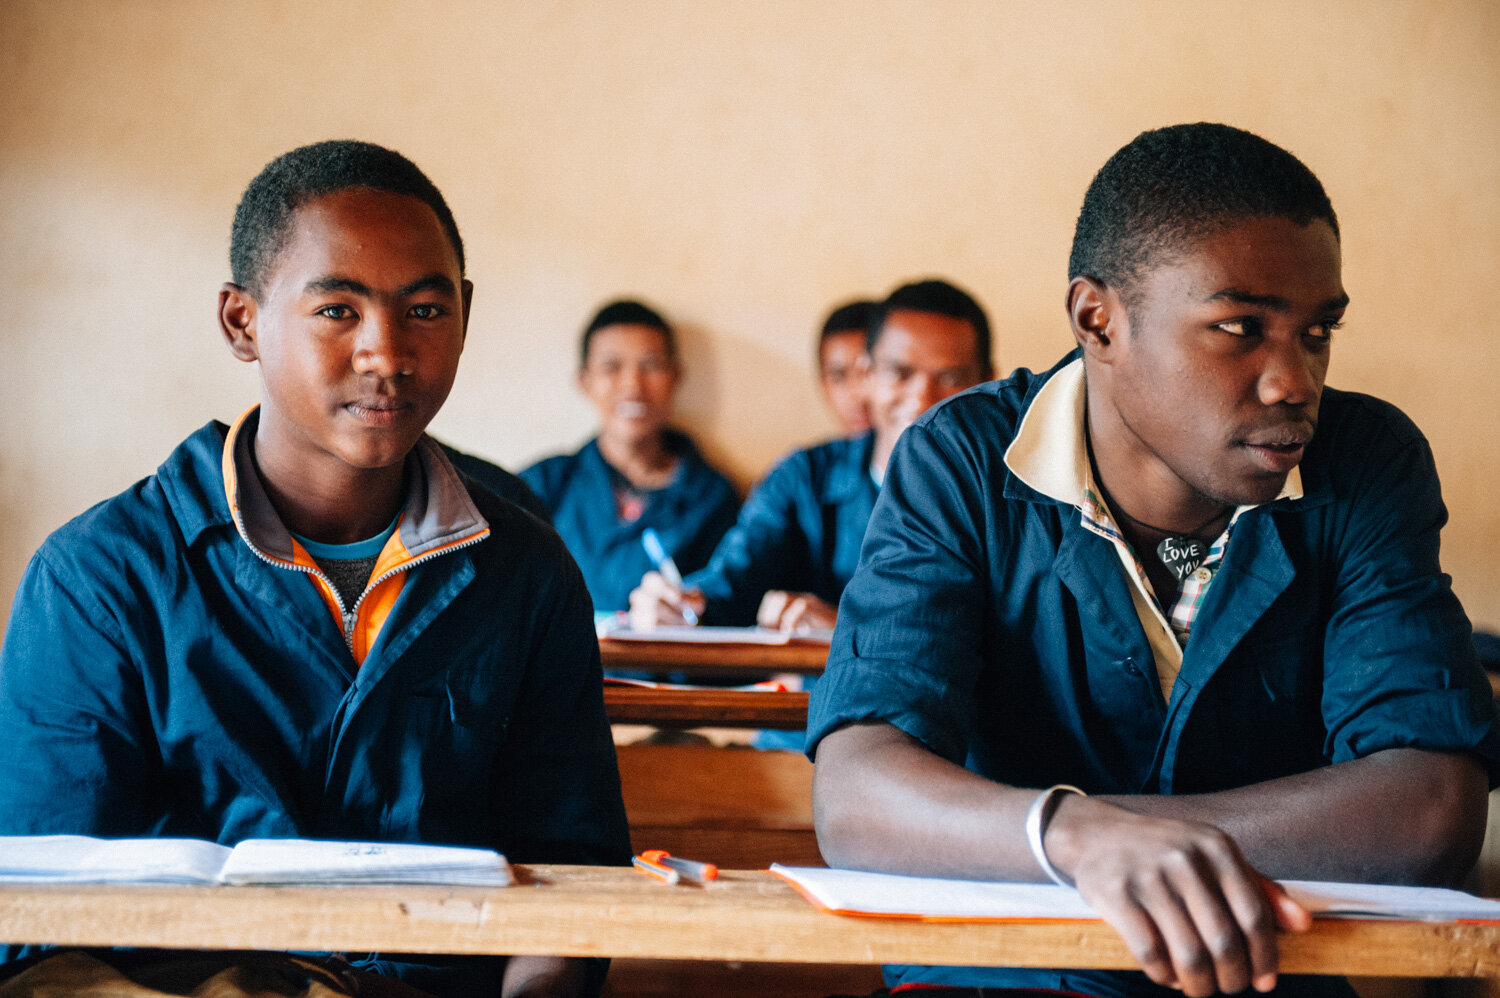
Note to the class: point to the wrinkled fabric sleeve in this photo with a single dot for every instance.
(764, 550)
(1400, 668)
(907, 650)
(76, 752)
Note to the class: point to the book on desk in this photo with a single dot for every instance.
(81, 859)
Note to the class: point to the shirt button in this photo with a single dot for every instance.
(1203, 575)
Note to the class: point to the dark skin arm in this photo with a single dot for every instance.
(1179, 877)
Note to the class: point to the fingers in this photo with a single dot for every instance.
(784, 611)
(1193, 913)
(1290, 915)
(772, 605)
(656, 602)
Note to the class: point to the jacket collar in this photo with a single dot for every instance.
(437, 513)
(1050, 451)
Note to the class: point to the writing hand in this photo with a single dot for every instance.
(1191, 910)
(790, 612)
(656, 601)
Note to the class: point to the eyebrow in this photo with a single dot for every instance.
(1275, 303)
(432, 282)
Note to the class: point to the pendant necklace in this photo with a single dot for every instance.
(1180, 554)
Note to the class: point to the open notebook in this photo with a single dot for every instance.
(851, 892)
(79, 859)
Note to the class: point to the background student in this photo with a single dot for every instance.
(797, 539)
(638, 473)
(841, 364)
(308, 624)
(1175, 572)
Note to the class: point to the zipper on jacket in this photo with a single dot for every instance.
(349, 616)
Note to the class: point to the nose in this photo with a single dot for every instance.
(381, 347)
(1293, 375)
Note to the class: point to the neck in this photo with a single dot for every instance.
(1148, 499)
(642, 460)
(332, 504)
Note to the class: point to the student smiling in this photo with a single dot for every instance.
(638, 473)
(308, 624)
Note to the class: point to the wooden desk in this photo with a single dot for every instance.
(806, 657)
(705, 708)
(593, 911)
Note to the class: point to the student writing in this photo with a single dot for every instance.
(638, 473)
(797, 539)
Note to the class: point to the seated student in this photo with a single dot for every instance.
(1178, 573)
(499, 481)
(307, 624)
(638, 472)
(797, 539)
(841, 364)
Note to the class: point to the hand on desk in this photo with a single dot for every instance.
(1191, 909)
(792, 612)
(656, 601)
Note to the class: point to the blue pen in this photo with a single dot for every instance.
(657, 552)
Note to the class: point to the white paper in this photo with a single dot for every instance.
(931, 897)
(299, 861)
(69, 859)
(77, 859)
(714, 635)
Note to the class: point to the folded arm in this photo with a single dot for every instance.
(1179, 877)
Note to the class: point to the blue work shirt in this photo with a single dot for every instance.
(800, 530)
(160, 677)
(504, 484)
(690, 515)
(986, 622)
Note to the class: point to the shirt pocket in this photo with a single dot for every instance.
(454, 733)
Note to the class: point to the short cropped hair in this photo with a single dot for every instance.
(263, 220)
(625, 312)
(849, 316)
(1175, 185)
(939, 298)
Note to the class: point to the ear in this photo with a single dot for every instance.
(466, 291)
(237, 310)
(1096, 315)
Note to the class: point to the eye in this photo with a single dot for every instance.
(336, 312)
(426, 311)
(1245, 326)
(1324, 330)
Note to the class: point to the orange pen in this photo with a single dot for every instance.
(651, 868)
(689, 868)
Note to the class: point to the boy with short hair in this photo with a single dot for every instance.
(308, 624)
(1175, 572)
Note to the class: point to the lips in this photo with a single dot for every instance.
(1281, 449)
(377, 411)
(630, 410)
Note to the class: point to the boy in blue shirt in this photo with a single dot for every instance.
(1177, 573)
(309, 624)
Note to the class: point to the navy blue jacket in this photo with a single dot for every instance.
(987, 623)
(690, 515)
(161, 678)
(799, 530)
(503, 483)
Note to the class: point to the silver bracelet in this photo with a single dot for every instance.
(1036, 826)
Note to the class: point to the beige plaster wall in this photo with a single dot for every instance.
(743, 165)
